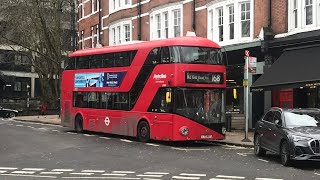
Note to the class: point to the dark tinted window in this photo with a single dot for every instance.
(277, 116)
(80, 99)
(153, 57)
(159, 103)
(95, 62)
(70, 64)
(82, 62)
(268, 117)
(108, 60)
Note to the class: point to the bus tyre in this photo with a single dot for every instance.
(79, 124)
(143, 131)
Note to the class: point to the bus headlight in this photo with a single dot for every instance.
(184, 131)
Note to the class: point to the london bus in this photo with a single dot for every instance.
(168, 90)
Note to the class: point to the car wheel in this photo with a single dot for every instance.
(285, 154)
(143, 131)
(11, 115)
(79, 124)
(258, 150)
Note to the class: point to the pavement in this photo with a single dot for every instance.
(232, 138)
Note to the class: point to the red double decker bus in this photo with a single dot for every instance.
(171, 90)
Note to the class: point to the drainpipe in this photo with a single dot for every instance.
(269, 14)
(100, 23)
(194, 16)
(139, 20)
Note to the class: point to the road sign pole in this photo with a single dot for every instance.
(246, 139)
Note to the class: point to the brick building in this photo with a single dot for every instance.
(264, 27)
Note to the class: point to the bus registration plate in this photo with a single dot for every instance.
(206, 136)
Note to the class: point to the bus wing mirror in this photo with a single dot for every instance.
(168, 97)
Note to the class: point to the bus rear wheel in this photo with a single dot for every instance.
(79, 124)
(143, 131)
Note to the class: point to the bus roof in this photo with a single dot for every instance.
(177, 41)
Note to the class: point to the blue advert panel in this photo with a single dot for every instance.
(105, 79)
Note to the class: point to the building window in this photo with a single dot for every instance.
(17, 86)
(295, 14)
(245, 19)
(116, 5)
(211, 22)
(231, 22)
(166, 22)
(220, 23)
(127, 32)
(177, 23)
(120, 32)
(92, 37)
(95, 5)
(308, 12)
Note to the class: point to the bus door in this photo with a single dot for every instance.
(162, 108)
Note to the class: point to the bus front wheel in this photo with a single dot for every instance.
(143, 131)
(79, 124)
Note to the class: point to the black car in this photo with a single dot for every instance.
(8, 113)
(294, 134)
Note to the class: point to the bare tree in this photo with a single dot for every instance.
(40, 27)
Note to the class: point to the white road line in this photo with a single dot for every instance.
(149, 175)
(63, 170)
(89, 135)
(85, 174)
(187, 174)
(163, 173)
(48, 173)
(31, 127)
(125, 140)
(263, 160)
(3, 171)
(42, 128)
(242, 154)
(219, 179)
(267, 179)
(150, 179)
(93, 171)
(231, 177)
(113, 174)
(125, 172)
(23, 175)
(23, 172)
(182, 177)
(55, 130)
(317, 174)
(71, 133)
(104, 138)
(97, 177)
(8, 168)
(182, 149)
(19, 125)
(33, 169)
(150, 144)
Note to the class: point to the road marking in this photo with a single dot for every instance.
(182, 149)
(85, 174)
(163, 173)
(263, 160)
(126, 172)
(98, 178)
(150, 179)
(19, 125)
(219, 179)
(149, 175)
(31, 127)
(48, 173)
(113, 174)
(71, 133)
(23, 172)
(242, 154)
(23, 175)
(3, 171)
(104, 138)
(267, 179)
(125, 140)
(55, 130)
(182, 177)
(33, 169)
(8, 168)
(43, 129)
(63, 170)
(88, 135)
(93, 171)
(231, 177)
(186, 174)
(317, 174)
(150, 144)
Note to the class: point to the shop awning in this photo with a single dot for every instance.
(294, 68)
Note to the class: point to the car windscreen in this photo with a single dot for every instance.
(299, 119)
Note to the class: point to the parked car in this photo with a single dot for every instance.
(294, 134)
(8, 113)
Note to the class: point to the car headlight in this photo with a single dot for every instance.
(300, 138)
